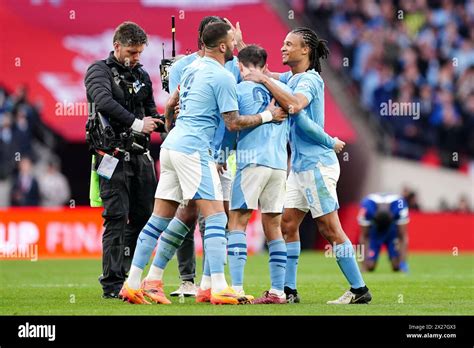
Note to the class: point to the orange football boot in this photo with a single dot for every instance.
(153, 289)
(131, 295)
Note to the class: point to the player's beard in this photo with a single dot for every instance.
(228, 56)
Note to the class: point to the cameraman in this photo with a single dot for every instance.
(121, 91)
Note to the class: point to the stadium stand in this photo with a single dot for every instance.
(27, 148)
(418, 52)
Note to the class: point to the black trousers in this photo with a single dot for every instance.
(186, 253)
(128, 199)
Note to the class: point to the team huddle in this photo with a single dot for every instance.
(230, 120)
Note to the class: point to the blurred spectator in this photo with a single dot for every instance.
(443, 205)
(9, 145)
(24, 132)
(54, 187)
(463, 205)
(411, 198)
(25, 190)
(410, 51)
(20, 125)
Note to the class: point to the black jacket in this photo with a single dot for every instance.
(112, 100)
(21, 198)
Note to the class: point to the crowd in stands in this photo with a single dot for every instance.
(461, 206)
(409, 51)
(25, 178)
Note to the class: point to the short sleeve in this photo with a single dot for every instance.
(233, 67)
(285, 77)
(226, 93)
(306, 86)
(364, 216)
(402, 216)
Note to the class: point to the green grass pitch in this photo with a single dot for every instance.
(438, 284)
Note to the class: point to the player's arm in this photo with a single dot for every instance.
(227, 101)
(364, 225)
(364, 241)
(402, 221)
(289, 102)
(311, 128)
(272, 75)
(317, 133)
(403, 244)
(234, 121)
(170, 109)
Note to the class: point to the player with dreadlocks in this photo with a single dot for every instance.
(311, 184)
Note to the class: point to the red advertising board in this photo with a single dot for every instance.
(30, 233)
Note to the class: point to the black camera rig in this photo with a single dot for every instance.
(101, 136)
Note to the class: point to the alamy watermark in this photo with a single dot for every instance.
(37, 331)
(408, 109)
(22, 251)
(241, 156)
(66, 108)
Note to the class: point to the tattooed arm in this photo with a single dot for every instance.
(234, 121)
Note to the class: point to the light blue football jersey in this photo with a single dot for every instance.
(176, 72)
(264, 145)
(177, 69)
(306, 152)
(207, 90)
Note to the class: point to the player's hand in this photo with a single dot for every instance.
(270, 74)
(169, 121)
(221, 168)
(173, 100)
(291, 109)
(267, 71)
(168, 125)
(237, 33)
(255, 76)
(150, 124)
(339, 145)
(278, 113)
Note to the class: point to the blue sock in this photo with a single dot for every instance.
(403, 266)
(293, 251)
(347, 263)
(215, 242)
(147, 240)
(170, 240)
(277, 262)
(237, 251)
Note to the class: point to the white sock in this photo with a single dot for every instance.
(205, 282)
(155, 273)
(134, 277)
(279, 293)
(218, 282)
(237, 288)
